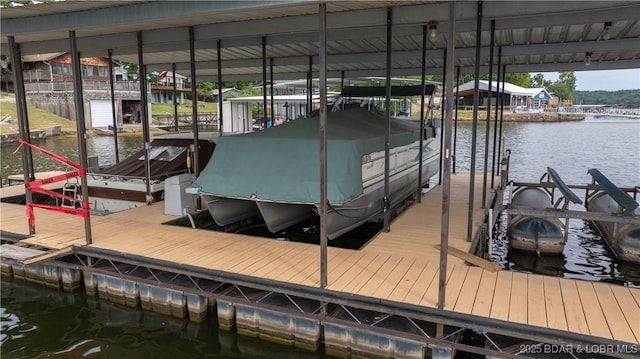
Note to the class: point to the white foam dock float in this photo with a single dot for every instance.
(26, 263)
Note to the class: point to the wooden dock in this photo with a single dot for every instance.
(400, 266)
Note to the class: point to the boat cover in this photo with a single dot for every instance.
(168, 158)
(281, 163)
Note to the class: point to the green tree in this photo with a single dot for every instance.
(518, 79)
(565, 86)
(131, 69)
(204, 90)
(537, 80)
(154, 78)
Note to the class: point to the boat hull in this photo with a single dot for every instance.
(344, 218)
(226, 211)
(623, 239)
(279, 216)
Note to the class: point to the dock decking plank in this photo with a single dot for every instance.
(596, 320)
(554, 305)
(536, 306)
(345, 262)
(484, 297)
(379, 278)
(366, 274)
(614, 314)
(454, 285)
(467, 296)
(427, 277)
(407, 281)
(631, 309)
(502, 296)
(394, 278)
(430, 296)
(574, 311)
(354, 271)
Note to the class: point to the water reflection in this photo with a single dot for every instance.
(66, 146)
(39, 322)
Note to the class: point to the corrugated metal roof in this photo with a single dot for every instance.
(542, 36)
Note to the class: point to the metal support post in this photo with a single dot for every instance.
(23, 121)
(113, 106)
(387, 133)
(322, 206)
(474, 128)
(80, 130)
(488, 118)
(142, 78)
(219, 58)
(194, 99)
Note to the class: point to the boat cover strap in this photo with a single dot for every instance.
(566, 191)
(621, 197)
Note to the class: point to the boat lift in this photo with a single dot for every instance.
(622, 218)
(568, 213)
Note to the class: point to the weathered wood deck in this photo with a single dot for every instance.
(401, 265)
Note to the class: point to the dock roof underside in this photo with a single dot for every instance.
(535, 36)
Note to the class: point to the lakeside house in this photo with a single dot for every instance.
(515, 97)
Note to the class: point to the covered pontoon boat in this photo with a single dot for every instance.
(276, 172)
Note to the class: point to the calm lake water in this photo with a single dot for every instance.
(38, 322)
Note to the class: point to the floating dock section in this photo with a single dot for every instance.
(380, 302)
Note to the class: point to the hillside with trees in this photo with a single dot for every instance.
(623, 98)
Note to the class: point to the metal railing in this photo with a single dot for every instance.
(87, 85)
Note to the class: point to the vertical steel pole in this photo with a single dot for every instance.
(422, 119)
(504, 72)
(142, 78)
(194, 99)
(442, 103)
(175, 98)
(455, 125)
(322, 206)
(446, 168)
(219, 58)
(310, 87)
(499, 94)
(81, 129)
(113, 105)
(474, 128)
(264, 79)
(273, 116)
(23, 121)
(387, 134)
(488, 118)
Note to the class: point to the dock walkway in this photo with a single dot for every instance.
(400, 266)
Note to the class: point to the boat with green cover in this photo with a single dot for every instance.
(276, 172)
